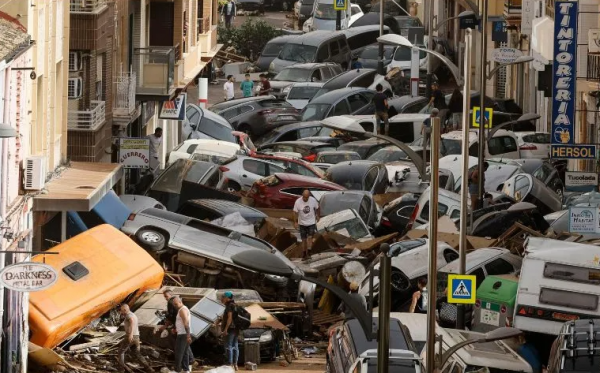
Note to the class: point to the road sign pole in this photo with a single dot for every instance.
(482, 84)
(338, 20)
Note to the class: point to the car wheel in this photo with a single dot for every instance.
(233, 187)
(151, 239)
(560, 193)
(276, 281)
(399, 280)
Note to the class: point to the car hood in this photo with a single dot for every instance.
(412, 263)
(280, 84)
(279, 64)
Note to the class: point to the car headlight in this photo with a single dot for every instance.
(287, 89)
(266, 337)
(272, 66)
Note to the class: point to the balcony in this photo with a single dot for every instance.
(87, 6)
(593, 67)
(512, 8)
(125, 108)
(87, 120)
(155, 71)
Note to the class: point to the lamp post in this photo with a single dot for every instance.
(461, 15)
(482, 81)
(518, 61)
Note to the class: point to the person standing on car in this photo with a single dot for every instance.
(381, 110)
(228, 12)
(420, 297)
(183, 351)
(229, 330)
(154, 147)
(229, 88)
(306, 216)
(132, 339)
(265, 85)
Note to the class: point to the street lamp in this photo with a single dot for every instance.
(518, 61)
(492, 336)
(462, 15)
(7, 132)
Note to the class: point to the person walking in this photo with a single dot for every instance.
(154, 147)
(131, 340)
(228, 12)
(456, 108)
(229, 88)
(265, 85)
(247, 86)
(306, 216)
(228, 329)
(183, 351)
(474, 184)
(381, 110)
(420, 297)
(360, 299)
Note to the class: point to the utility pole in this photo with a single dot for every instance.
(338, 20)
(430, 47)
(482, 83)
(380, 70)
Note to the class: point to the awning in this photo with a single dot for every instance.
(79, 187)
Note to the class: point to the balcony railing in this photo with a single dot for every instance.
(87, 6)
(125, 95)
(203, 25)
(87, 120)
(155, 70)
(512, 8)
(593, 67)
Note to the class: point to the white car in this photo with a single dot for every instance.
(299, 94)
(403, 55)
(205, 149)
(324, 17)
(534, 144)
(355, 13)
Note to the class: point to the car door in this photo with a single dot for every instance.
(325, 73)
(341, 108)
(252, 170)
(357, 102)
(334, 51)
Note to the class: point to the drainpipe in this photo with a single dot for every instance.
(3, 184)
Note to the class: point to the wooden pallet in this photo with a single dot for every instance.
(324, 319)
(229, 57)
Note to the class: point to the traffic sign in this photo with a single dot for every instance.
(340, 4)
(489, 116)
(461, 289)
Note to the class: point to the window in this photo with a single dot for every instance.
(273, 169)
(479, 275)
(191, 148)
(354, 10)
(245, 109)
(455, 214)
(306, 132)
(569, 299)
(499, 267)
(363, 81)
(192, 115)
(316, 76)
(364, 209)
(450, 255)
(473, 149)
(502, 144)
(293, 191)
(357, 102)
(370, 179)
(335, 48)
(326, 73)
(341, 108)
(442, 210)
(197, 212)
(75, 62)
(255, 167)
(323, 53)
(405, 212)
(414, 108)
(572, 273)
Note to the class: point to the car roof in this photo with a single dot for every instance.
(337, 94)
(404, 100)
(475, 258)
(309, 65)
(360, 143)
(353, 31)
(229, 104)
(298, 125)
(307, 179)
(315, 38)
(347, 167)
(307, 84)
(342, 80)
(361, 344)
(336, 152)
(301, 143)
(225, 206)
(282, 39)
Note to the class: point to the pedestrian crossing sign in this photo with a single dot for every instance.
(461, 289)
(340, 4)
(489, 116)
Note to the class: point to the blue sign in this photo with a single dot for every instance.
(564, 76)
(573, 152)
(462, 289)
(499, 33)
(340, 5)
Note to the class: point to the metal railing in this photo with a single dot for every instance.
(203, 25)
(512, 7)
(87, 6)
(125, 95)
(155, 69)
(87, 120)
(593, 67)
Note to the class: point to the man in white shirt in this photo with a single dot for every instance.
(131, 340)
(229, 88)
(306, 216)
(155, 143)
(183, 352)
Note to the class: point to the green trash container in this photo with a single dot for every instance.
(495, 303)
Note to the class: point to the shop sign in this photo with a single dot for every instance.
(583, 219)
(564, 74)
(174, 110)
(581, 181)
(134, 152)
(27, 277)
(506, 55)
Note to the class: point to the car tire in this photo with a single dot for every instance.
(276, 281)
(151, 239)
(399, 281)
(232, 187)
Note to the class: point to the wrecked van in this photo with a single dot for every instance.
(97, 270)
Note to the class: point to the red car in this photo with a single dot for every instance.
(296, 165)
(281, 191)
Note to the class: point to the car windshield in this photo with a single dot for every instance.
(302, 93)
(354, 228)
(325, 11)
(388, 155)
(211, 158)
(373, 53)
(272, 49)
(292, 74)
(350, 181)
(321, 92)
(315, 112)
(450, 146)
(170, 180)
(403, 54)
(298, 53)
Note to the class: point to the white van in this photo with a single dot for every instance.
(324, 17)
(504, 144)
(206, 150)
(559, 282)
(478, 357)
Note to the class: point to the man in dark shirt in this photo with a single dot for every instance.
(265, 85)
(437, 99)
(381, 109)
(229, 330)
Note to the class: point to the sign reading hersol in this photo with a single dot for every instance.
(28, 276)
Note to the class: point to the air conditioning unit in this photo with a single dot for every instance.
(75, 88)
(75, 61)
(35, 173)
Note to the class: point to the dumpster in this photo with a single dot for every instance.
(495, 303)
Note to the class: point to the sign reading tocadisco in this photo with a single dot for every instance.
(563, 84)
